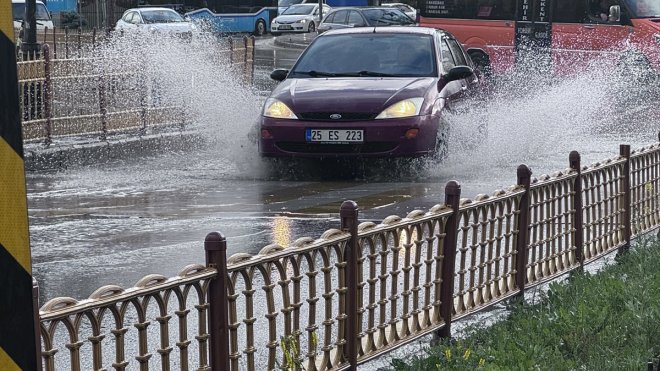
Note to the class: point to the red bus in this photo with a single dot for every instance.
(569, 33)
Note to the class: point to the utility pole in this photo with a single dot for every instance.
(29, 46)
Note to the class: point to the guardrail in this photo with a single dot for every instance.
(92, 96)
(363, 289)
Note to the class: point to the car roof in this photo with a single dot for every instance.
(23, 2)
(383, 30)
(141, 9)
(361, 7)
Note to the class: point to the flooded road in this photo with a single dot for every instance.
(115, 222)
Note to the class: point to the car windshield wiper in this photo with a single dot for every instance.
(374, 74)
(317, 73)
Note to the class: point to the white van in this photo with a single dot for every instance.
(41, 13)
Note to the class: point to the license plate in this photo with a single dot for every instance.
(284, 27)
(334, 135)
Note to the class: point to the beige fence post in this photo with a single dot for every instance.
(47, 95)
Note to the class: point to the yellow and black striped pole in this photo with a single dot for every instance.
(17, 325)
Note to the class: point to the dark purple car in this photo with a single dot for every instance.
(367, 92)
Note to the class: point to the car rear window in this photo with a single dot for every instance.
(18, 10)
(387, 17)
(161, 16)
(389, 54)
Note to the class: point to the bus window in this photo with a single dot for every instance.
(495, 9)
(569, 11)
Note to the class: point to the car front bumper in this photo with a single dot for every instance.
(382, 138)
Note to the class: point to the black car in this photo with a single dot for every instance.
(364, 17)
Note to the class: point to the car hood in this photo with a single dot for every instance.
(292, 18)
(363, 95)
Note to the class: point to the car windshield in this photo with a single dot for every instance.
(644, 8)
(302, 9)
(387, 17)
(368, 55)
(161, 16)
(41, 13)
(283, 3)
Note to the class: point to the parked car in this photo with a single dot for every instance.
(409, 10)
(41, 13)
(368, 92)
(154, 20)
(298, 18)
(364, 17)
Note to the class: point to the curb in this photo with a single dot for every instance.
(295, 41)
(62, 156)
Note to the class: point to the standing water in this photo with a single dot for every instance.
(112, 223)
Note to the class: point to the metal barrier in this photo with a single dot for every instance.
(359, 291)
(84, 96)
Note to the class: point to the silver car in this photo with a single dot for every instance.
(298, 18)
(154, 20)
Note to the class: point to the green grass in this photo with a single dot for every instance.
(604, 321)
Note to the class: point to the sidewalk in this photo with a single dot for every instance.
(295, 41)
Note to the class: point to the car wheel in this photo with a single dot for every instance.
(312, 27)
(481, 62)
(260, 28)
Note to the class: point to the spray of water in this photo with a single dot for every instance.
(539, 120)
(521, 119)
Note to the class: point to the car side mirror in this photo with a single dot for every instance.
(615, 13)
(458, 73)
(279, 74)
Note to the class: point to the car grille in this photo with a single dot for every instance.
(374, 147)
(345, 116)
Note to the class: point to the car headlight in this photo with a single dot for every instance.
(276, 109)
(404, 108)
(303, 21)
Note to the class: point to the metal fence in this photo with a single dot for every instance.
(100, 95)
(363, 289)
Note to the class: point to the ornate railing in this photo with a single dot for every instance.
(361, 290)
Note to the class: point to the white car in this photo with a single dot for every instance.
(41, 13)
(154, 20)
(298, 18)
(409, 10)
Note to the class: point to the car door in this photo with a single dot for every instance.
(355, 19)
(470, 84)
(338, 20)
(454, 91)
